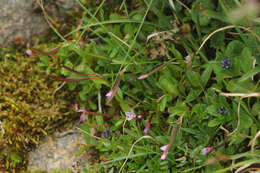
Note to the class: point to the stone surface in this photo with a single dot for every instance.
(21, 20)
(60, 153)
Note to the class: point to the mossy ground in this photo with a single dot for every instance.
(28, 108)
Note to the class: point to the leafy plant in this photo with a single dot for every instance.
(185, 73)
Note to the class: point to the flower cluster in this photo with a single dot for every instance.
(131, 115)
(225, 63)
(222, 110)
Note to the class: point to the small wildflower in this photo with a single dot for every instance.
(165, 152)
(29, 52)
(164, 155)
(83, 115)
(109, 94)
(147, 127)
(130, 115)
(142, 76)
(140, 116)
(222, 110)
(225, 63)
(206, 150)
(163, 148)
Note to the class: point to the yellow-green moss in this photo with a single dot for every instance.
(28, 110)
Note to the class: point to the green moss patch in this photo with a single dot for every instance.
(28, 108)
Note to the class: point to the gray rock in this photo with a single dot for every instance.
(60, 153)
(21, 20)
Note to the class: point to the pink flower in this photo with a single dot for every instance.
(164, 155)
(82, 116)
(140, 116)
(163, 148)
(29, 52)
(206, 150)
(142, 77)
(109, 94)
(130, 115)
(165, 152)
(147, 127)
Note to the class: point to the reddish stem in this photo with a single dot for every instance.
(54, 50)
(72, 79)
(81, 73)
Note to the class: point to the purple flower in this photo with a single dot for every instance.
(29, 52)
(82, 116)
(206, 150)
(130, 115)
(147, 127)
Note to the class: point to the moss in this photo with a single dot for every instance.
(28, 110)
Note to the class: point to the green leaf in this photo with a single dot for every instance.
(168, 85)
(45, 60)
(115, 16)
(256, 108)
(179, 109)
(100, 123)
(163, 102)
(123, 105)
(245, 120)
(236, 86)
(246, 60)
(206, 75)
(176, 53)
(249, 74)
(194, 94)
(198, 15)
(215, 122)
(218, 40)
(90, 139)
(83, 93)
(234, 49)
(129, 29)
(64, 71)
(193, 78)
(212, 110)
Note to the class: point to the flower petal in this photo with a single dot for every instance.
(109, 94)
(147, 127)
(206, 150)
(82, 117)
(164, 155)
(29, 52)
(82, 110)
(163, 148)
